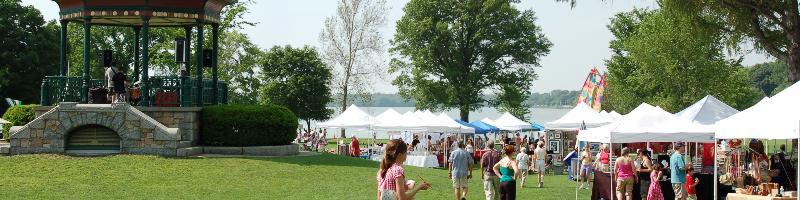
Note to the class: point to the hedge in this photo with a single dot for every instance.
(247, 125)
(18, 116)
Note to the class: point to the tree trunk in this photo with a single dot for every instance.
(464, 113)
(344, 102)
(308, 125)
(794, 63)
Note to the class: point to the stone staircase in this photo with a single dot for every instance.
(4, 148)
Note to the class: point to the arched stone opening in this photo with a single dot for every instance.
(92, 138)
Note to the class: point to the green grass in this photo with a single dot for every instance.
(322, 176)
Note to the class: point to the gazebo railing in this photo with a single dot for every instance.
(165, 91)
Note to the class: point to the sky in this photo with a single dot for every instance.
(579, 35)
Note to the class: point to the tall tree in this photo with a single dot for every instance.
(353, 46)
(769, 78)
(298, 79)
(27, 51)
(451, 52)
(656, 63)
(773, 26)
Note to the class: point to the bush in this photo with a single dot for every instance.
(18, 116)
(248, 125)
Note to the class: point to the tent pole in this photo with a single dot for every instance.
(716, 178)
(611, 169)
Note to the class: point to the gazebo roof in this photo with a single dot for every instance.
(130, 12)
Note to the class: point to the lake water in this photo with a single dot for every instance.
(538, 115)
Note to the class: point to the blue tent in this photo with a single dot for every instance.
(537, 127)
(484, 127)
(478, 130)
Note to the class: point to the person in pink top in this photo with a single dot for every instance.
(391, 178)
(625, 176)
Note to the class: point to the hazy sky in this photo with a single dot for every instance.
(579, 34)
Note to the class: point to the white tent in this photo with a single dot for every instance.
(429, 114)
(510, 123)
(608, 116)
(580, 114)
(707, 111)
(352, 117)
(488, 121)
(451, 125)
(648, 124)
(406, 122)
(772, 118)
(615, 115)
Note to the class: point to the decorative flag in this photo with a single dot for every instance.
(593, 88)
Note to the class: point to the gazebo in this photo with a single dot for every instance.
(141, 15)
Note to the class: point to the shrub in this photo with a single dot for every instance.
(18, 116)
(248, 125)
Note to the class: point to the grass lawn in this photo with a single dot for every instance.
(322, 176)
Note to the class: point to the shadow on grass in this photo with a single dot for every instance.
(324, 159)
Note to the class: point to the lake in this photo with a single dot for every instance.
(538, 115)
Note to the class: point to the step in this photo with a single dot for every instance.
(91, 152)
(4, 148)
(184, 144)
(189, 151)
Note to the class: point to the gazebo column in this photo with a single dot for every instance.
(63, 52)
(199, 78)
(214, 73)
(136, 56)
(86, 42)
(186, 89)
(145, 83)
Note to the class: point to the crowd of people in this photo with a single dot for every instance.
(312, 139)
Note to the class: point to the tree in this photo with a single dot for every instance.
(298, 79)
(451, 52)
(655, 62)
(352, 45)
(28, 51)
(769, 78)
(773, 26)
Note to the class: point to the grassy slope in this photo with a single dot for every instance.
(138, 177)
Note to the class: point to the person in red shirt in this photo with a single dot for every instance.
(691, 183)
(355, 149)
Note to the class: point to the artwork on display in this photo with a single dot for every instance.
(550, 135)
(555, 146)
(557, 135)
(594, 147)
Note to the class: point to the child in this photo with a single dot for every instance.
(691, 182)
(655, 187)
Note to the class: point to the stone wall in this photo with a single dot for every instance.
(139, 133)
(186, 119)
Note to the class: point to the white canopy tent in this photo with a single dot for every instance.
(508, 122)
(451, 125)
(707, 111)
(770, 118)
(615, 115)
(580, 114)
(648, 124)
(390, 120)
(352, 118)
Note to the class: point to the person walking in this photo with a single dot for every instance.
(645, 166)
(539, 156)
(677, 170)
(508, 170)
(491, 182)
(460, 170)
(586, 166)
(391, 175)
(654, 192)
(523, 161)
(625, 177)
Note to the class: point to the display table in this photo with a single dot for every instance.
(601, 187)
(421, 161)
(415, 160)
(734, 196)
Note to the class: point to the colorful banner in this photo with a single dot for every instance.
(593, 88)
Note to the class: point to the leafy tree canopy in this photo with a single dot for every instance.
(451, 52)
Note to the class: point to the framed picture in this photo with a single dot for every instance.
(594, 147)
(556, 135)
(550, 135)
(555, 146)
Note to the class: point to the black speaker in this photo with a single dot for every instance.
(108, 57)
(207, 57)
(180, 46)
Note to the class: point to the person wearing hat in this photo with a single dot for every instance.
(677, 170)
(539, 155)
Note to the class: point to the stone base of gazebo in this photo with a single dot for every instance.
(110, 128)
